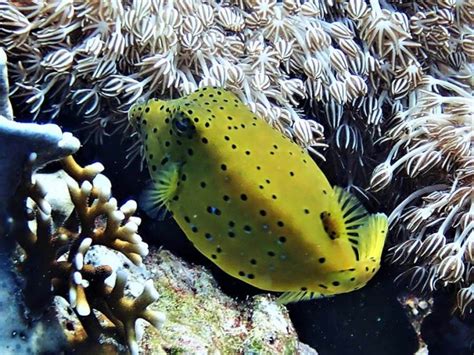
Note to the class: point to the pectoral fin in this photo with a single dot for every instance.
(164, 187)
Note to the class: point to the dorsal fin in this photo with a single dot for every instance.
(161, 191)
(353, 213)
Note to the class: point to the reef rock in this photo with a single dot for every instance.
(202, 319)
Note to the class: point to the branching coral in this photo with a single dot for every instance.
(58, 255)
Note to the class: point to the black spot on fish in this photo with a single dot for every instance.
(219, 250)
(251, 276)
(147, 109)
(322, 260)
(247, 152)
(204, 140)
(183, 177)
(164, 161)
(194, 229)
(274, 197)
(352, 279)
(186, 218)
(231, 234)
(323, 286)
(202, 184)
(263, 213)
(231, 224)
(336, 283)
(247, 228)
(282, 240)
(190, 151)
(214, 256)
(153, 167)
(234, 146)
(226, 138)
(208, 236)
(271, 253)
(292, 173)
(304, 289)
(229, 118)
(241, 273)
(280, 224)
(253, 261)
(226, 198)
(223, 167)
(243, 197)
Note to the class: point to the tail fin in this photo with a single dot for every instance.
(372, 237)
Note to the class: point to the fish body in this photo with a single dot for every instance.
(253, 201)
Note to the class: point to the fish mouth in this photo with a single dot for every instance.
(131, 110)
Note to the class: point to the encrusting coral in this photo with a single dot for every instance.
(18, 141)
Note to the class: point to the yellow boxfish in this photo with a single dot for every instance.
(253, 201)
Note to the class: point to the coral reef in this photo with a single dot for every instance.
(386, 84)
(51, 258)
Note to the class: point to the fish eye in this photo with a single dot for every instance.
(183, 125)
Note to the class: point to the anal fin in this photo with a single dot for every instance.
(296, 296)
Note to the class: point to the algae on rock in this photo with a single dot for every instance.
(202, 319)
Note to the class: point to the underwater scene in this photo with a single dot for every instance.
(237, 177)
